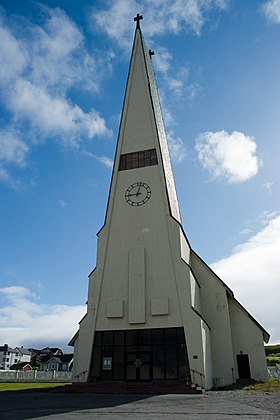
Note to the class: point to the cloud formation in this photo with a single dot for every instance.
(38, 68)
(161, 17)
(27, 322)
(271, 10)
(252, 272)
(229, 156)
(177, 148)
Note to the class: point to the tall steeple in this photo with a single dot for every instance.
(155, 310)
(142, 126)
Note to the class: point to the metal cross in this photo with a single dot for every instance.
(137, 19)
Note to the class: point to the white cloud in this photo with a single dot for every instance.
(252, 272)
(245, 231)
(52, 115)
(105, 160)
(268, 186)
(271, 10)
(13, 152)
(25, 321)
(13, 57)
(230, 156)
(161, 17)
(12, 148)
(176, 147)
(38, 68)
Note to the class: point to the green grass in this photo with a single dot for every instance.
(29, 386)
(272, 386)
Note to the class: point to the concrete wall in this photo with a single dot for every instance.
(248, 339)
(215, 311)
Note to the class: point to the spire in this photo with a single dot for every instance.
(142, 125)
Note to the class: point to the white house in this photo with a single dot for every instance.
(155, 310)
(24, 355)
(8, 357)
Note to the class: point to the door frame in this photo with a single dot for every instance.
(138, 354)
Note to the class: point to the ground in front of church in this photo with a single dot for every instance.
(211, 405)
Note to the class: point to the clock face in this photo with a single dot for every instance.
(138, 194)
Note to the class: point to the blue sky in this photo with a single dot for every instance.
(63, 72)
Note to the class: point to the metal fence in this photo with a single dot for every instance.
(274, 371)
(34, 376)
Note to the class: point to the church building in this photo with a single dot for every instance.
(155, 310)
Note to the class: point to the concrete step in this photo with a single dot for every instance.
(115, 387)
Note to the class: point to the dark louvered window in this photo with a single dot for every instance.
(138, 159)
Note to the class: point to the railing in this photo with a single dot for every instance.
(197, 378)
(80, 377)
(34, 376)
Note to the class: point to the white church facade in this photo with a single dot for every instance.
(156, 311)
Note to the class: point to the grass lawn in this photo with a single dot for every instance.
(272, 386)
(32, 386)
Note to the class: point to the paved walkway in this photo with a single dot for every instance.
(37, 405)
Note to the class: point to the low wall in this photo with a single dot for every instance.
(34, 376)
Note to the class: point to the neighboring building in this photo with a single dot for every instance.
(21, 366)
(61, 363)
(156, 311)
(24, 354)
(8, 357)
(46, 352)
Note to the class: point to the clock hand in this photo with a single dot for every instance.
(138, 191)
(130, 195)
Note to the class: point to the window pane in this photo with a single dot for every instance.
(171, 361)
(181, 335)
(122, 163)
(138, 159)
(153, 157)
(134, 160)
(97, 339)
(119, 338)
(158, 362)
(95, 373)
(131, 338)
(183, 362)
(118, 363)
(141, 159)
(158, 336)
(170, 335)
(145, 337)
(107, 337)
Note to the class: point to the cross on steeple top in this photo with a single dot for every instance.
(137, 19)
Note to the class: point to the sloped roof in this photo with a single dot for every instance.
(23, 351)
(19, 366)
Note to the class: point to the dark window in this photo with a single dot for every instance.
(119, 338)
(158, 362)
(107, 338)
(95, 373)
(158, 337)
(98, 338)
(118, 363)
(170, 335)
(182, 361)
(138, 159)
(150, 354)
(171, 361)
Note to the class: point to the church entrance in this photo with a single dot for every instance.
(243, 366)
(138, 366)
(140, 355)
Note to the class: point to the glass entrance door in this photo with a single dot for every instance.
(138, 366)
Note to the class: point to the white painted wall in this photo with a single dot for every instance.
(248, 339)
